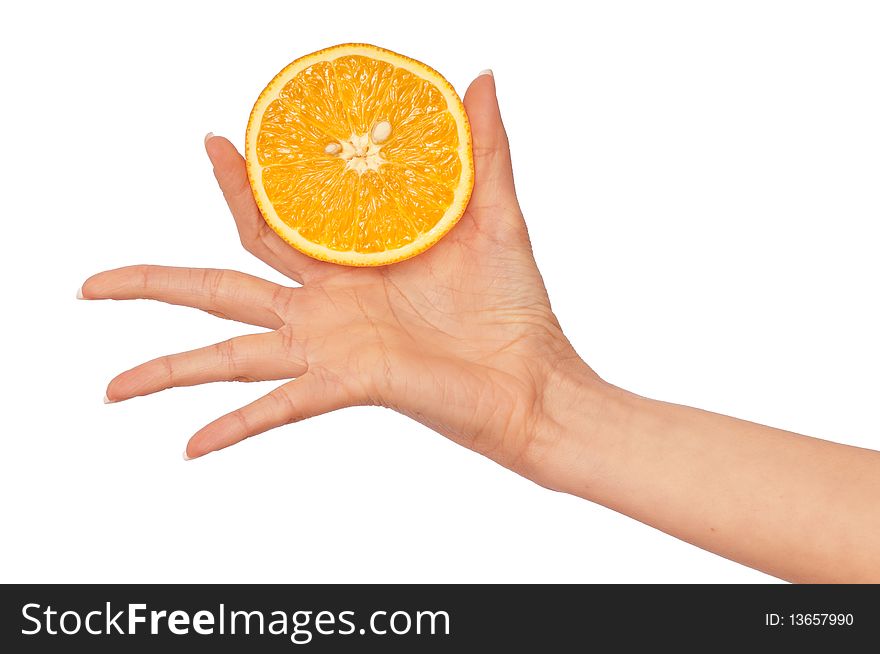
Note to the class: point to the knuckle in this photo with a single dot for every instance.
(264, 231)
(282, 299)
(214, 280)
(227, 351)
(166, 364)
(247, 241)
(293, 346)
(285, 403)
(144, 273)
(288, 339)
(240, 417)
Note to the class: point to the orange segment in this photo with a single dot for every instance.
(359, 155)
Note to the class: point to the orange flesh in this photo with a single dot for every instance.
(325, 200)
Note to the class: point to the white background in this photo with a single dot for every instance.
(701, 184)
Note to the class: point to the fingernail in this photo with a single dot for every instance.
(79, 293)
(208, 137)
(488, 72)
(107, 400)
(186, 457)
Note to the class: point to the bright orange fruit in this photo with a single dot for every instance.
(359, 155)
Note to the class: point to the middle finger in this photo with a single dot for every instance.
(256, 357)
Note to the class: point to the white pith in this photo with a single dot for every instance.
(361, 154)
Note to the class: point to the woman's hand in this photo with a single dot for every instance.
(460, 338)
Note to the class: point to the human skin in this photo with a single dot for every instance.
(462, 338)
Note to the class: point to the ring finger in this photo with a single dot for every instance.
(256, 357)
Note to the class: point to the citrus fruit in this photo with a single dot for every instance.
(359, 155)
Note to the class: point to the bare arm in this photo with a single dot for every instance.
(800, 508)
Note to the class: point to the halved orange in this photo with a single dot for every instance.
(359, 155)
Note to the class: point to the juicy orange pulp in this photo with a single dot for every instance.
(359, 155)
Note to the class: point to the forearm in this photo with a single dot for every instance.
(799, 508)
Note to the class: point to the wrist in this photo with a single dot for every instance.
(580, 416)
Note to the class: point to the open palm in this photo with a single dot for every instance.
(460, 338)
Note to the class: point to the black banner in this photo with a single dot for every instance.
(436, 618)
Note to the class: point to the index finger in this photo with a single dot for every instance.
(257, 237)
(225, 293)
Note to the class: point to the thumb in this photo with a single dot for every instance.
(493, 174)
